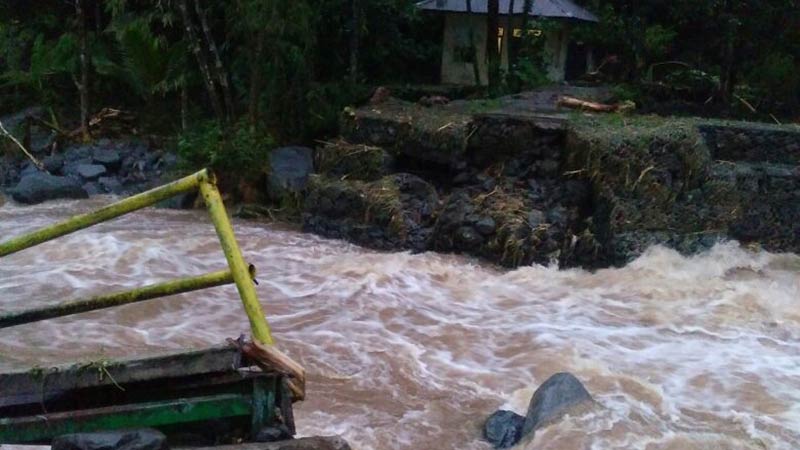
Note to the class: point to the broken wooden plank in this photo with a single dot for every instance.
(270, 358)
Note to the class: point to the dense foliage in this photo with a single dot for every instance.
(286, 68)
(726, 52)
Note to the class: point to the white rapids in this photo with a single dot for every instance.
(415, 351)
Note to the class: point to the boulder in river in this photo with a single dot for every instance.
(145, 439)
(39, 187)
(556, 397)
(503, 429)
(560, 395)
(290, 168)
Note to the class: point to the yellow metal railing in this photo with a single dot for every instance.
(239, 272)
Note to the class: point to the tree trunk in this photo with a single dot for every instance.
(355, 35)
(476, 72)
(492, 51)
(184, 107)
(83, 84)
(256, 78)
(728, 72)
(202, 60)
(527, 7)
(219, 69)
(513, 48)
(98, 17)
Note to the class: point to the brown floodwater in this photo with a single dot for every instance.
(415, 351)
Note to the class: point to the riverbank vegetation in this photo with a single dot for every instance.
(228, 80)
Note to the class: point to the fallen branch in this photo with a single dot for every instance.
(754, 110)
(96, 120)
(33, 159)
(746, 103)
(576, 103)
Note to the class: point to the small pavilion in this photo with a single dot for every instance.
(464, 43)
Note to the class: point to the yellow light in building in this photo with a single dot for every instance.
(500, 33)
(533, 32)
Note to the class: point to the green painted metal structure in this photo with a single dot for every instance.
(184, 388)
(169, 412)
(209, 385)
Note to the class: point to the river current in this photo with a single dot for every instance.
(414, 351)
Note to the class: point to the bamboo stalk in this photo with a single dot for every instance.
(202, 59)
(217, 67)
(244, 283)
(153, 291)
(112, 211)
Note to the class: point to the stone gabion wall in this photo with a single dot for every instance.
(749, 142)
(594, 190)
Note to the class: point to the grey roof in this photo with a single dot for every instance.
(564, 9)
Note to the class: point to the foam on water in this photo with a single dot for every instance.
(415, 351)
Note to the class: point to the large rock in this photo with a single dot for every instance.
(9, 171)
(28, 169)
(273, 434)
(145, 439)
(290, 168)
(560, 395)
(503, 429)
(91, 171)
(53, 164)
(555, 398)
(109, 158)
(111, 185)
(39, 187)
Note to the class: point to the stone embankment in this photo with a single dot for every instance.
(517, 186)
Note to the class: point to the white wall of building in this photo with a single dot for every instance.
(465, 41)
